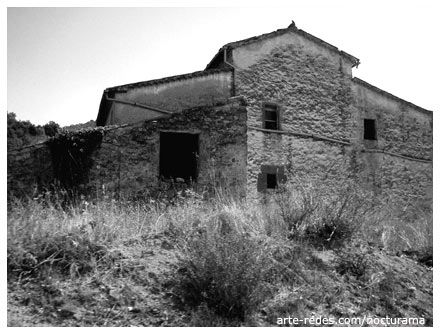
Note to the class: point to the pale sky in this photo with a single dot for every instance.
(59, 60)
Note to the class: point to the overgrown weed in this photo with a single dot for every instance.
(325, 214)
(236, 258)
(223, 269)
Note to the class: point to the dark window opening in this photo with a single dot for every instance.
(271, 181)
(178, 155)
(270, 177)
(271, 116)
(370, 129)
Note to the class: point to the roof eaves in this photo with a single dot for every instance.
(398, 99)
(355, 61)
(103, 111)
(254, 39)
(166, 80)
(219, 52)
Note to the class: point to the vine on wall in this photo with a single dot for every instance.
(72, 155)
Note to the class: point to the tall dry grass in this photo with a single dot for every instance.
(233, 254)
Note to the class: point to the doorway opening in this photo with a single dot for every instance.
(179, 152)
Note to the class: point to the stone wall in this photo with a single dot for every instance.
(399, 162)
(246, 55)
(312, 87)
(303, 159)
(126, 162)
(402, 127)
(402, 180)
(322, 112)
(174, 95)
(128, 159)
(314, 95)
(28, 167)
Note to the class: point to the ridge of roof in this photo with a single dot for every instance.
(167, 79)
(381, 91)
(291, 28)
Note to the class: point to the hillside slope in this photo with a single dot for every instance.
(137, 290)
(322, 254)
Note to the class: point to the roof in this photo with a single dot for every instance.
(292, 28)
(389, 95)
(167, 79)
(105, 104)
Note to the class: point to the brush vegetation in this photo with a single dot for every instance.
(311, 250)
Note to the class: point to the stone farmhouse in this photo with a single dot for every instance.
(265, 109)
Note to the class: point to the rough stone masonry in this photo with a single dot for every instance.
(264, 109)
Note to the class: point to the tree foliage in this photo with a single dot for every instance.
(51, 129)
(21, 133)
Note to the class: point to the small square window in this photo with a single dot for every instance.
(271, 116)
(370, 129)
(270, 177)
(271, 181)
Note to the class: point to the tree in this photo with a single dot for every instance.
(21, 133)
(51, 128)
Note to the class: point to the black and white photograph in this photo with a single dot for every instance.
(220, 164)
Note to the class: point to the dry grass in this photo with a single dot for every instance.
(227, 262)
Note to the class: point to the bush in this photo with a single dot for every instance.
(51, 129)
(43, 238)
(325, 214)
(399, 226)
(22, 133)
(297, 205)
(355, 263)
(70, 254)
(424, 255)
(224, 271)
